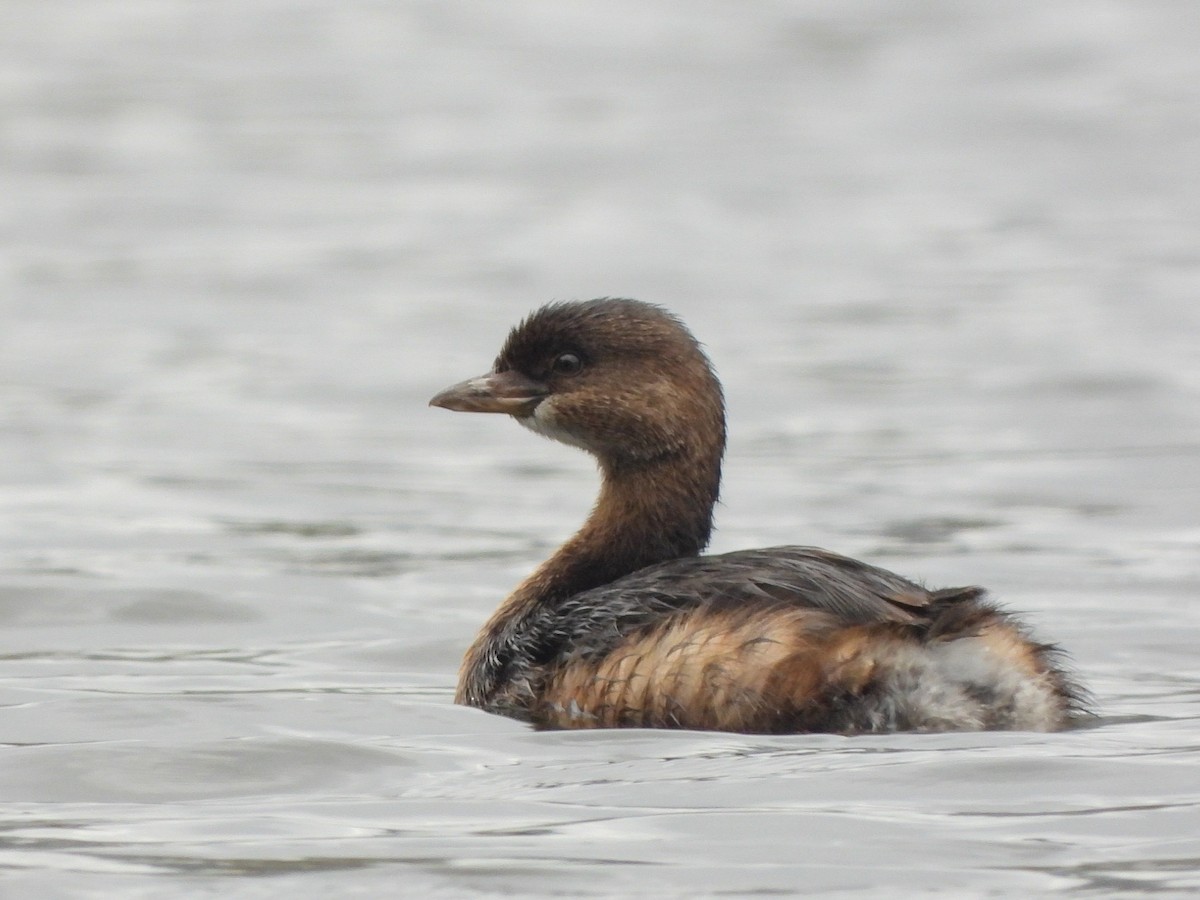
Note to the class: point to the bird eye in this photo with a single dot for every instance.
(567, 364)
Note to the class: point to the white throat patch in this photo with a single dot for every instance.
(542, 422)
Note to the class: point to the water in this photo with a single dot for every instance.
(944, 255)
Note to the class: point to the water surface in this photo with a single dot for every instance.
(944, 256)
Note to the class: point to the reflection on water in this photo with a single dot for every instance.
(944, 258)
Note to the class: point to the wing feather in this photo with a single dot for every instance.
(852, 592)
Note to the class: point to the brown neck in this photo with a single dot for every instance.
(647, 512)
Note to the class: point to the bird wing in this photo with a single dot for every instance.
(850, 591)
(807, 577)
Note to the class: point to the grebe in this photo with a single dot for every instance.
(627, 625)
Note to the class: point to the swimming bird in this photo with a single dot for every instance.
(629, 625)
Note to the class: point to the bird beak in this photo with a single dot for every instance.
(497, 392)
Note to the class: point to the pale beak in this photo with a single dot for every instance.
(497, 392)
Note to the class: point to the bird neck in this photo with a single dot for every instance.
(646, 513)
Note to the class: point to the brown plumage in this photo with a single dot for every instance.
(627, 625)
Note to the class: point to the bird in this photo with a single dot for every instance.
(628, 624)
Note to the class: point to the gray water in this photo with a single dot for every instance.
(944, 255)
